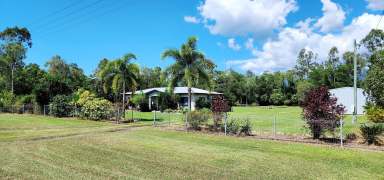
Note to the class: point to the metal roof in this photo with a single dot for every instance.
(176, 90)
(344, 96)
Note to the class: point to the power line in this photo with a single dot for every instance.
(74, 21)
(69, 14)
(52, 14)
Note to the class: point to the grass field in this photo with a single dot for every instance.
(287, 120)
(35, 147)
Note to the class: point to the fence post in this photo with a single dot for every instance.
(154, 118)
(23, 108)
(341, 132)
(169, 118)
(225, 123)
(274, 126)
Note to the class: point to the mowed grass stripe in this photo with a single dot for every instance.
(151, 153)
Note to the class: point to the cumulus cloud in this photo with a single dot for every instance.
(333, 17)
(245, 17)
(375, 4)
(191, 19)
(233, 44)
(281, 53)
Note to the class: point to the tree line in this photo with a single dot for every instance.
(29, 83)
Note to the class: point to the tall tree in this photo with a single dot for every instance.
(305, 61)
(13, 46)
(374, 40)
(13, 56)
(190, 66)
(120, 74)
(332, 63)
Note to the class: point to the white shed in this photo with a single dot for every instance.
(344, 96)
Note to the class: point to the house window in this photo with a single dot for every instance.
(184, 101)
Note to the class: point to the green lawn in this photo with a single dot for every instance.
(288, 120)
(93, 150)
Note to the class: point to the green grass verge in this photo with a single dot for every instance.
(151, 153)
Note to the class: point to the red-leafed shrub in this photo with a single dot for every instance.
(321, 111)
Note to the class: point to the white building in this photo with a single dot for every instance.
(344, 96)
(153, 94)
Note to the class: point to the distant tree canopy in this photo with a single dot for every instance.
(191, 68)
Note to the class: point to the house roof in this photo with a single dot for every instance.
(344, 96)
(176, 90)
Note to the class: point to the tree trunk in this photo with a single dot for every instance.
(124, 99)
(12, 69)
(190, 99)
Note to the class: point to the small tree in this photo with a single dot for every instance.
(218, 107)
(321, 111)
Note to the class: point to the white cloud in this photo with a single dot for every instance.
(233, 45)
(245, 17)
(191, 19)
(375, 4)
(333, 17)
(281, 53)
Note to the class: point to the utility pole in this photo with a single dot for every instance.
(354, 83)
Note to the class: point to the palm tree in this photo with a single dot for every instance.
(191, 66)
(120, 74)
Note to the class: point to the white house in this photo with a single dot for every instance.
(153, 94)
(344, 96)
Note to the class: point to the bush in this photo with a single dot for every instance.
(287, 102)
(246, 128)
(277, 98)
(168, 101)
(321, 112)
(233, 126)
(140, 101)
(97, 109)
(61, 106)
(371, 133)
(7, 99)
(375, 113)
(202, 103)
(197, 118)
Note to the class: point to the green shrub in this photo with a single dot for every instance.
(96, 109)
(371, 133)
(7, 99)
(375, 113)
(82, 96)
(277, 98)
(233, 126)
(61, 106)
(197, 118)
(246, 128)
(202, 103)
(140, 101)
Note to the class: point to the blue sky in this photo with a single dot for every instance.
(85, 31)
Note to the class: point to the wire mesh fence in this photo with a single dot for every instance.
(274, 125)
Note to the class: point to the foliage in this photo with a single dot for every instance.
(375, 113)
(374, 40)
(305, 62)
(277, 97)
(246, 127)
(141, 101)
(167, 100)
(96, 109)
(203, 102)
(374, 81)
(197, 118)
(191, 66)
(303, 87)
(7, 98)
(233, 126)
(61, 106)
(321, 112)
(81, 97)
(371, 133)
